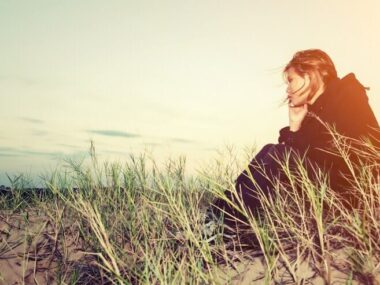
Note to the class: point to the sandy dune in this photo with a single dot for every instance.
(36, 250)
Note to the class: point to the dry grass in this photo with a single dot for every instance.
(127, 224)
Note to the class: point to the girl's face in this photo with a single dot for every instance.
(298, 88)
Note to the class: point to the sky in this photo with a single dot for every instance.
(171, 77)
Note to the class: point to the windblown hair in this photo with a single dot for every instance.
(312, 62)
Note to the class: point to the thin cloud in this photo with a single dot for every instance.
(2, 149)
(9, 155)
(32, 120)
(70, 146)
(179, 140)
(114, 133)
(7, 151)
(42, 153)
(39, 133)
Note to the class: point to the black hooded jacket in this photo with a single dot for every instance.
(344, 106)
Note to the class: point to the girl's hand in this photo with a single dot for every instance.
(296, 116)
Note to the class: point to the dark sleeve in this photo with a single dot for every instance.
(312, 134)
(297, 140)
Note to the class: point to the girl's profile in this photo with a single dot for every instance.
(318, 102)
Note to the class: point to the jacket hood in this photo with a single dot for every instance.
(351, 85)
(340, 91)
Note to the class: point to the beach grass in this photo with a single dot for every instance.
(138, 223)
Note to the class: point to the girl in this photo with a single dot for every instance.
(317, 98)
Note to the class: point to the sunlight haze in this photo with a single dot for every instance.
(174, 77)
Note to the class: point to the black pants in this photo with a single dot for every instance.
(263, 170)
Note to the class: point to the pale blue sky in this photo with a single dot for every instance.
(177, 77)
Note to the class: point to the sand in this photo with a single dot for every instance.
(34, 249)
